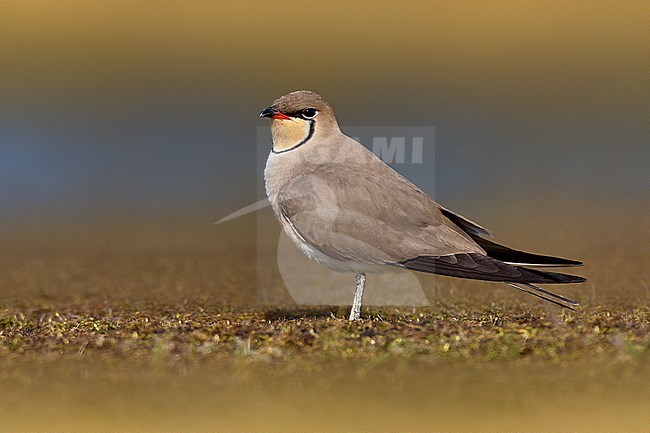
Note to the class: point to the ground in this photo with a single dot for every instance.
(164, 339)
(161, 367)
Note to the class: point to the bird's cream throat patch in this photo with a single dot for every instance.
(290, 133)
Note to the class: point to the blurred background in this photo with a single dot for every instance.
(126, 125)
(127, 128)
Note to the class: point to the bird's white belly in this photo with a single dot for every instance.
(336, 265)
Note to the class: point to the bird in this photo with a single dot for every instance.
(348, 210)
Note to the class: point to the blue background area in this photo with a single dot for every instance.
(119, 114)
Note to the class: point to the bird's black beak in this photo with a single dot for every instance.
(269, 112)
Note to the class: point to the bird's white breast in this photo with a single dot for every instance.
(282, 168)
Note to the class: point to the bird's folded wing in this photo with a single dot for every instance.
(351, 215)
(479, 267)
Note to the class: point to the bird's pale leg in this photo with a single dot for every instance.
(355, 313)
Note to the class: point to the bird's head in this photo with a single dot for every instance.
(297, 118)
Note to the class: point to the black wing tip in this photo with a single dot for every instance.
(552, 277)
(557, 262)
(521, 258)
(568, 262)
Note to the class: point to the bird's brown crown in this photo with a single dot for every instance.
(293, 103)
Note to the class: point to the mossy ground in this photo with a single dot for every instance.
(450, 367)
(197, 334)
(157, 339)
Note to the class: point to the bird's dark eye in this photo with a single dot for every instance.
(309, 113)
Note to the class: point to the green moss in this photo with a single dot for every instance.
(207, 334)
